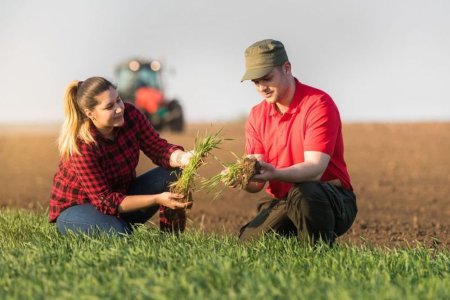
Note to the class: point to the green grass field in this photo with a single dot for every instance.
(37, 263)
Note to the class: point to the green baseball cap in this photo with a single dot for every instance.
(262, 57)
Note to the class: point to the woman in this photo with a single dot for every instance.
(95, 187)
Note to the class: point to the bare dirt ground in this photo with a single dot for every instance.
(400, 172)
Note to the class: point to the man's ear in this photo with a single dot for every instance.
(287, 67)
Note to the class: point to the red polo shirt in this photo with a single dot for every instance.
(312, 123)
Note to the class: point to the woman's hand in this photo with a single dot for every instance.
(180, 159)
(172, 200)
(185, 158)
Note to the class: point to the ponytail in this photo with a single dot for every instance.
(79, 97)
(75, 126)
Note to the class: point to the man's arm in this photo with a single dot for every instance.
(311, 169)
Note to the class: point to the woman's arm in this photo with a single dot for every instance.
(106, 200)
(151, 143)
(135, 202)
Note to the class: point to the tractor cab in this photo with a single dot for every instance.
(140, 82)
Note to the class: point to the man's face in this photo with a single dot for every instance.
(274, 86)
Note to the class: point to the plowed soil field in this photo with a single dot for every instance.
(400, 172)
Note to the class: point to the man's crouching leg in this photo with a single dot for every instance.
(271, 217)
(309, 208)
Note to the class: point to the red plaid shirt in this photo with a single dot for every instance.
(102, 174)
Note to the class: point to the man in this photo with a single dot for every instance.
(296, 135)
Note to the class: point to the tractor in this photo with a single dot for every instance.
(140, 82)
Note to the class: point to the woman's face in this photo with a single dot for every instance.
(108, 113)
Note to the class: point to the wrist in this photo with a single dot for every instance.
(276, 175)
(183, 158)
(178, 158)
(154, 200)
(175, 158)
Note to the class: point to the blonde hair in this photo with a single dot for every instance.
(79, 96)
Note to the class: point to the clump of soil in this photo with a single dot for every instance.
(250, 166)
(237, 174)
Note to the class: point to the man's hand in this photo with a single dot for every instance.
(266, 173)
(253, 185)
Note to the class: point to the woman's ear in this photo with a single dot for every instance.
(89, 114)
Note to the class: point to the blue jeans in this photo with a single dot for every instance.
(87, 219)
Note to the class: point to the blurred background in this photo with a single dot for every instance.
(380, 60)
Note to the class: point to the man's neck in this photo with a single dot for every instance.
(281, 108)
(284, 104)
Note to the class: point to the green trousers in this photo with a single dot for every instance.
(311, 211)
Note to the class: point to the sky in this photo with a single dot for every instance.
(384, 60)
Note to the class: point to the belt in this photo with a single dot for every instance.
(335, 182)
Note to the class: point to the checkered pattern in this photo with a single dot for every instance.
(102, 174)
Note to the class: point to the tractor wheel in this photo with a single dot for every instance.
(176, 123)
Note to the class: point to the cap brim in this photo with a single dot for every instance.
(253, 74)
